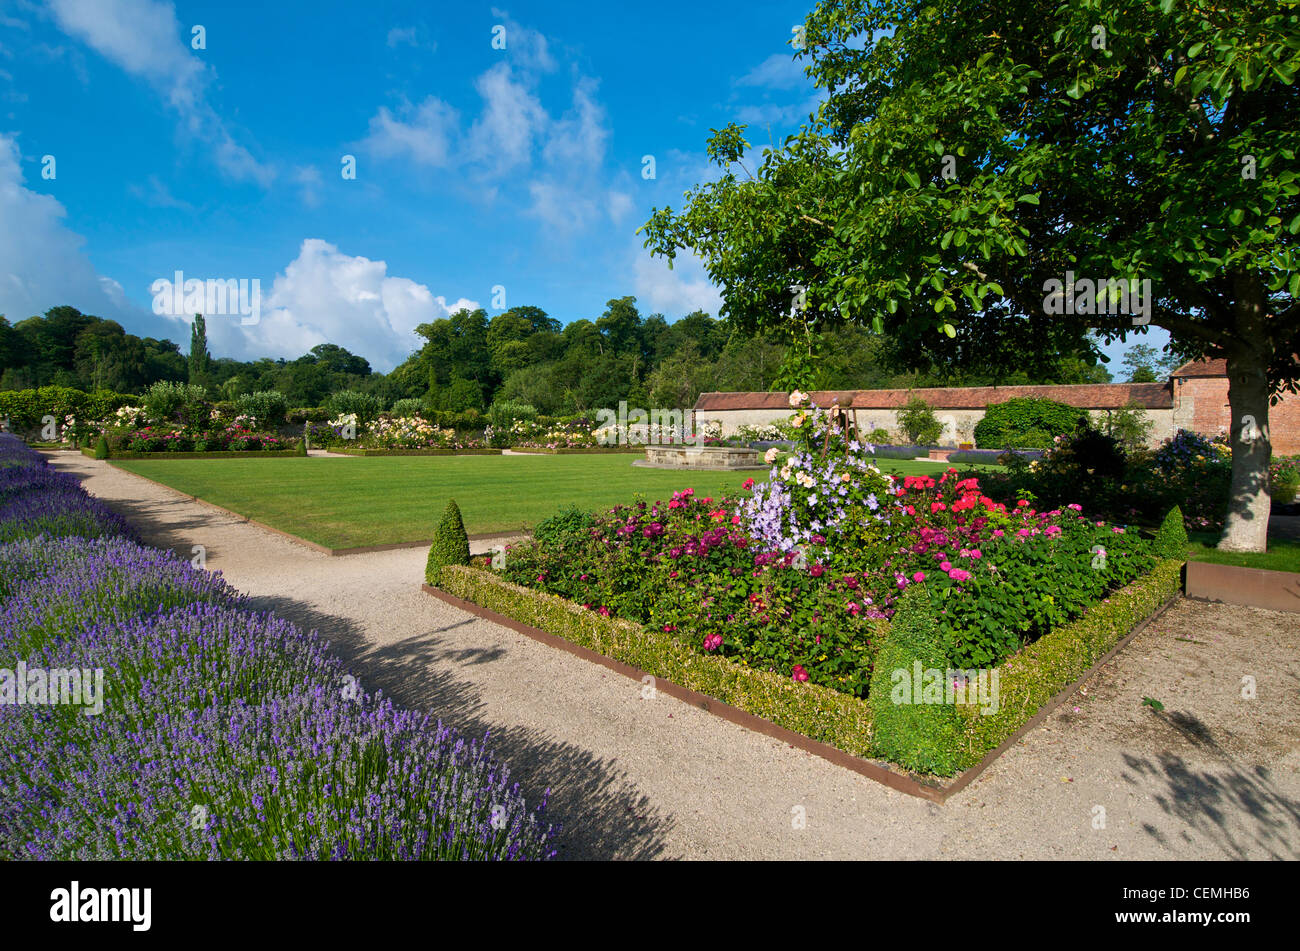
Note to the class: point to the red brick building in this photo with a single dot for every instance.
(1194, 397)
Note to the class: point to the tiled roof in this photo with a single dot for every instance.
(1084, 396)
(1217, 367)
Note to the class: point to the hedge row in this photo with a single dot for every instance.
(415, 452)
(1046, 667)
(594, 450)
(224, 454)
(26, 408)
(940, 742)
(814, 711)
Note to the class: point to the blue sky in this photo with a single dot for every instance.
(476, 167)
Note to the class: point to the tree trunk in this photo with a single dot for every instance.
(1246, 526)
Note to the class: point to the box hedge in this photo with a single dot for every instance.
(450, 544)
(944, 743)
(924, 737)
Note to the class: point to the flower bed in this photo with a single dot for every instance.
(225, 454)
(362, 451)
(224, 733)
(796, 578)
(1028, 679)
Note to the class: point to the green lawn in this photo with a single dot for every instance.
(346, 503)
(1282, 554)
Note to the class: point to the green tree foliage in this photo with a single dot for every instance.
(968, 154)
(200, 360)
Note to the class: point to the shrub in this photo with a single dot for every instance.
(1131, 426)
(208, 703)
(1026, 423)
(878, 436)
(300, 415)
(302, 447)
(366, 406)
(406, 408)
(266, 407)
(450, 544)
(922, 736)
(504, 413)
(101, 447)
(565, 527)
(1171, 537)
(918, 422)
(168, 402)
(1285, 485)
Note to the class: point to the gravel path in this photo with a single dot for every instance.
(1213, 776)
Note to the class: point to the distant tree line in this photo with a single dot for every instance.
(470, 359)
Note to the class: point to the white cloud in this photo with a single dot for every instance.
(778, 71)
(502, 137)
(156, 194)
(528, 48)
(326, 296)
(399, 36)
(144, 38)
(677, 292)
(42, 262)
(426, 139)
(309, 182)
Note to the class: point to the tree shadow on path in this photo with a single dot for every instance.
(1204, 798)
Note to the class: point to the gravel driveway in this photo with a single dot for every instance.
(1215, 775)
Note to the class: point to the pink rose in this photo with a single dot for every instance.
(799, 675)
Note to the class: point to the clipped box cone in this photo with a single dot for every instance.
(450, 544)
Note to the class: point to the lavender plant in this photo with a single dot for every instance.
(224, 733)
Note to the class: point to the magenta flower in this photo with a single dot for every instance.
(919, 576)
(799, 675)
(712, 642)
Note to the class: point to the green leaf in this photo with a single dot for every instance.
(950, 330)
(1194, 51)
(1029, 198)
(912, 179)
(946, 240)
(1294, 226)
(1237, 216)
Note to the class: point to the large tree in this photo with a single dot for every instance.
(973, 161)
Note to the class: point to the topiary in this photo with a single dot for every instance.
(302, 447)
(1026, 423)
(910, 728)
(450, 544)
(1171, 537)
(101, 447)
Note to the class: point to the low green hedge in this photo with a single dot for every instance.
(814, 711)
(1043, 669)
(415, 452)
(596, 450)
(224, 454)
(1027, 680)
(578, 452)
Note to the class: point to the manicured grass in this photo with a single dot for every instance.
(346, 503)
(1282, 554)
